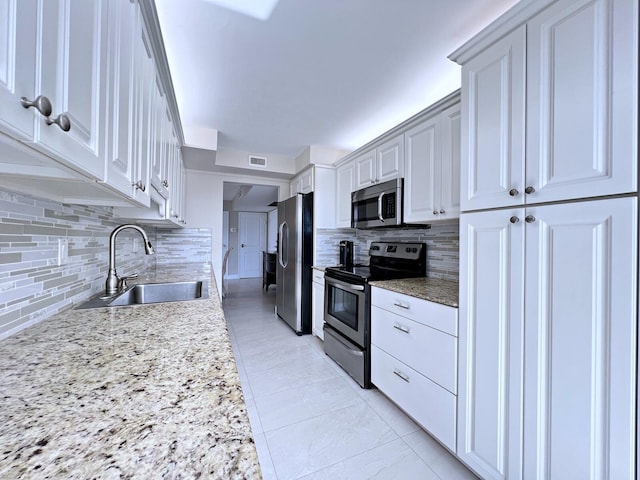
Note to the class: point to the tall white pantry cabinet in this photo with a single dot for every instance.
(549, 242)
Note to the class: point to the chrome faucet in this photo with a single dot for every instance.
(114, 283)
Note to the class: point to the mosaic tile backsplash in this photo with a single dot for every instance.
(443, 244)
(32, 284)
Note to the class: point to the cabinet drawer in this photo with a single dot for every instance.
(435, 315)
(433, 407)
(427, 350)
(318, 276)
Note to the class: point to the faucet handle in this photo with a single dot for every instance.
(122, 281)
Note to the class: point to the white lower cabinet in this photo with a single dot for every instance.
(414, 359)
(547, 378)
(317, 304)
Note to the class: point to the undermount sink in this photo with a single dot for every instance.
(145, 293)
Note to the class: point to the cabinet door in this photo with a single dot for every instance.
(448, 188)
(491, 343)
(18, 54)
(582, 61)
(317, 306)
(72, 75)
(120, 152)
(365, 169)
(390, 159)
(493, 128)
(422, 148)
(345, 180)
(580, 365)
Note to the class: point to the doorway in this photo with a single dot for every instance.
(252, 232)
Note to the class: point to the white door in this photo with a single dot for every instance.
(252, 236)
(390, 159)
(449, 165)
(582, 63)
(491, 342)
(422, 148)
(493, 128)
(18, 53)
(72, 69)
(580, 340)
(365, 169)
(345, 180)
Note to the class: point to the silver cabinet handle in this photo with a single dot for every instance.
(403, 376)
(402, 328)
(513, 192)
(401, 305)
(529, 190)
(139, 185)
(530, 219)
(514, 219)
(41, 103)
(61, 120)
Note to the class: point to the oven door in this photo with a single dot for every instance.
(346, 309)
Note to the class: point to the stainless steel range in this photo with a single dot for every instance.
(347, 302)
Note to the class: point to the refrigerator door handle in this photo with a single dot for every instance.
(281, 244)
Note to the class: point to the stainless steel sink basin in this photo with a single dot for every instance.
(145, 293)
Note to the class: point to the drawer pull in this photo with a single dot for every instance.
(404, 377)
(401, 328)
(402, 305)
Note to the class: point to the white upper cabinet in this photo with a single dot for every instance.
(566, 81)
(121, 129)
(71, 72)
(345, 182)
(493, 91)
(432, 166)
(390, 159)
(383, 163)
(18, 52)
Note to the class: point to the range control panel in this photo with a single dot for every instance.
(402, 250)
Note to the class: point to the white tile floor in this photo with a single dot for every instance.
(309, 419)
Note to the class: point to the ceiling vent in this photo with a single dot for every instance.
(256, 161)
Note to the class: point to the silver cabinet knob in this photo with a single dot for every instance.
(61, 120)
(529, 219)
(442, 212)
(513, 192)
(165, 184)
(435, 212)
(529, 190)
(139, 185)
(514, 219)
(41, 103)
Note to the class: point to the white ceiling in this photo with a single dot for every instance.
(249, 198)
(334, 73)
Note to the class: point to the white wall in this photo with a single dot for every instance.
(226, 157)
(204, 205)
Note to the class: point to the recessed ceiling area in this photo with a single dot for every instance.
(249, 197)
(333, 73)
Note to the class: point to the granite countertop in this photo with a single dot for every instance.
(148, 391)
(431, 289)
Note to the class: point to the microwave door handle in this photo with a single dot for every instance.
(380, 206)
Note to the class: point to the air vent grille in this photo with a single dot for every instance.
(256, 161)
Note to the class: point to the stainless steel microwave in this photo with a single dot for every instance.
(379, 205)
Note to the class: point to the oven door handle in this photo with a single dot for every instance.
(380, 217)
(343, 285)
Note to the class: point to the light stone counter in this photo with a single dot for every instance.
(431, 289)
(148, 391)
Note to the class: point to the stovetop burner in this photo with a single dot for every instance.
(388, 260)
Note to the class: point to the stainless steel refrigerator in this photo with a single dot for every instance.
(295, 256)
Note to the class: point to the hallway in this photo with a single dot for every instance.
(309, 419)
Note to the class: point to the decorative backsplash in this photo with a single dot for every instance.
(443, 244)
(33, 286)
